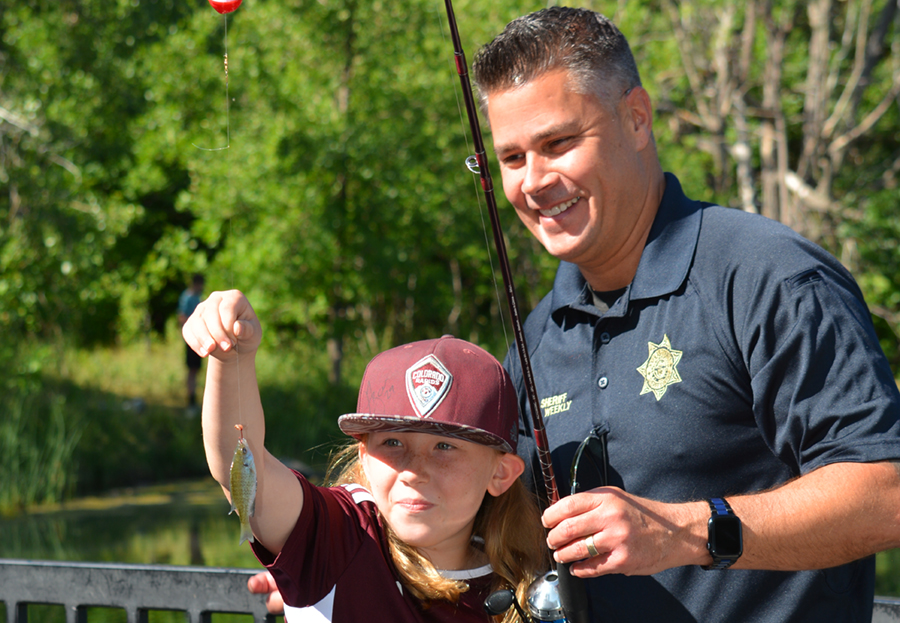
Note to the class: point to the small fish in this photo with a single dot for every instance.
(243, 486)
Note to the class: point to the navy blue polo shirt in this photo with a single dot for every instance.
(741, 356)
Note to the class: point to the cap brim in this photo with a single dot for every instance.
(355, 424)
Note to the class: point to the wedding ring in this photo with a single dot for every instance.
(589, 544)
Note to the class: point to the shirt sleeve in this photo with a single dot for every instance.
(331, 529)
(823, 391)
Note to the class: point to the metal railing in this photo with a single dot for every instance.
(137, 589)
(198, 591)
(887, 610)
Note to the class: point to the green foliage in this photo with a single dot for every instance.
(36, 448)
(329, 183)
(875, 239)
(341, 204)
(68, 82)
(58, 438)
(38, 434)
(346, 220)
(887, 573)
(78, 421)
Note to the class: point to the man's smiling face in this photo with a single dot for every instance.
(571, 166)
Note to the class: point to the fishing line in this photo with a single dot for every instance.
(572, 592)
(237, 353)
(481, 207)
(242, 481)
(471, 164)
(224, 8)
(227, 100)
(480, 158)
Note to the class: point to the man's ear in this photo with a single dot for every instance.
(508, 468)
(640, 117)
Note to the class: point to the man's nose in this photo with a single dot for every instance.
(537, 175)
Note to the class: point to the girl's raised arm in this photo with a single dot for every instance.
(225, 329)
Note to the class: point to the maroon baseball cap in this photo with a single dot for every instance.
(444, 387)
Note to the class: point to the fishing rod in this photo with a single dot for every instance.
(478, 164)
(571, 590)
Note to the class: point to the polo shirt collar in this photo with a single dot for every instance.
(664, 264)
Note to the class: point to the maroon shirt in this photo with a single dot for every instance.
(336, 566)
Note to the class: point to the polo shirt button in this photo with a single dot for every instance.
(604, 338)
(603, 382)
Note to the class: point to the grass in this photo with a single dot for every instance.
(89, 430)
(86, 421)
(34, 451)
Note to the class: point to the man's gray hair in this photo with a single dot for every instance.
(584, 43)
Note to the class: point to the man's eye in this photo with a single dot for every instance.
(444, 446)
(511, 160)
(560, 143)
(391, 442)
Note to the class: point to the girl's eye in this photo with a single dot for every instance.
(392, 442)
(444, 446)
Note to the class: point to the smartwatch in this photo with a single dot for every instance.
(725, 542)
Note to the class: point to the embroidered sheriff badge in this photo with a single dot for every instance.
(660, 371)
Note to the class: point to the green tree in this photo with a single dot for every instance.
(329, 182)
(72, 234)
(342, 206)
(789, 109)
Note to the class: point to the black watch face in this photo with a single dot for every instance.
(726, 539)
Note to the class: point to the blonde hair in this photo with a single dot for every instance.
(510, 525)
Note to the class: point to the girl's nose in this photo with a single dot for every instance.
(415, 468)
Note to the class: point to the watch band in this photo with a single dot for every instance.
(719, 507)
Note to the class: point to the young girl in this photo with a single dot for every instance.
(427, 516)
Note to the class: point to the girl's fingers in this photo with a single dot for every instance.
(192, 340)
(210, 329)
(219, 322)
(204, 330)
(244, 330)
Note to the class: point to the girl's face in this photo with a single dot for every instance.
(430, 487)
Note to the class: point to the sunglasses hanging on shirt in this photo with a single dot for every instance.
(590, 465)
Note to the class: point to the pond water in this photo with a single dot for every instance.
(185, 523)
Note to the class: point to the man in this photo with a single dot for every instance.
(721, 356)
(187, 302)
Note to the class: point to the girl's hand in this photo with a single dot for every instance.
(222, 322)
(264, 583)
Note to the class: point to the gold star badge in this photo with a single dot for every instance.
(659, 371)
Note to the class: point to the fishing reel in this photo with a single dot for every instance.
(544, 599)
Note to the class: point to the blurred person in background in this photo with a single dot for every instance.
(187, 303)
